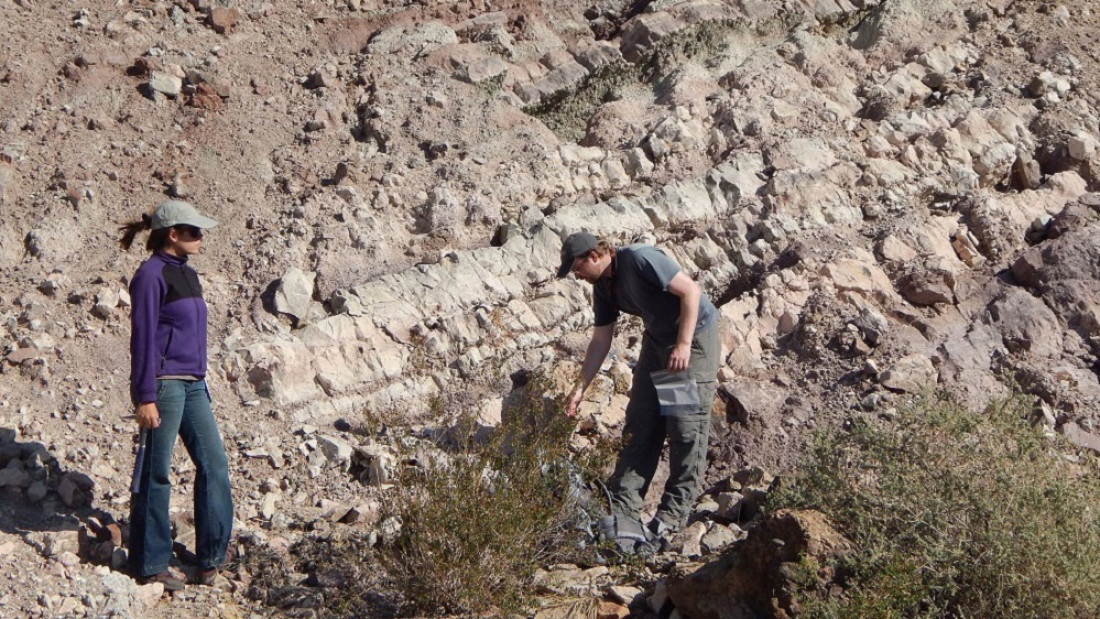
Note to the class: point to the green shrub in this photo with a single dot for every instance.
(954, 514)
(473, 531)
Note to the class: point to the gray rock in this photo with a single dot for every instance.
(165, 84)
(718, 537)
(75, 489)
(1065, 272)
(56, 543)
(1079, 437)
(148, 596)
(267, 505)
(1026, 172)
(14, 478)
(729, 505)
(872, 326)
(1025, 323)
(36, 492)
(1042, 84)
(640, 34)
(121, 594)
(7, 182)
(598, 54)
(1081, 147)
(911, 374)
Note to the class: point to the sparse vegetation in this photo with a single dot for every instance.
(955, 515)
(567, 112)
(474, 531)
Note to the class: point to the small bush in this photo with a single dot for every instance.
(954, 515)
(474, 531)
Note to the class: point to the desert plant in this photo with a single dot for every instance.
(474, 530)
(955, 514)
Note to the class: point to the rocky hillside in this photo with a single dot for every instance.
(884, 196)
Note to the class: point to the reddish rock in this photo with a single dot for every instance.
(612, 610)
(222, 19)
(927, 288)
(206, 97)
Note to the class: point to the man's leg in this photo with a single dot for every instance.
(688, 435)
(643, 436)
(687, 460)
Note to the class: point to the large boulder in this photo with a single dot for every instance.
(754, 577)
(1026, 324)
(1065, 272)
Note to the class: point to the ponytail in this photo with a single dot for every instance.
(130, 230)
(157, 238)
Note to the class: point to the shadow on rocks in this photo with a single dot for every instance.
(50, 507)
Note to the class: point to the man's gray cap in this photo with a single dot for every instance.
(179, 213)
(574, 245)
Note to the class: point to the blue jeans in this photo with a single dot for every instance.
(184, 407)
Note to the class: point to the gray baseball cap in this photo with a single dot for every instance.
(574, 245)
(179, 213)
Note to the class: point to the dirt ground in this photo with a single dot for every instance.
(289, 102)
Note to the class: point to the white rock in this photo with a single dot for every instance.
(165, 83)
(336, 450)
(267, 505)
(1081, 146)
(412, 41)
(688, 542)
(295, 293)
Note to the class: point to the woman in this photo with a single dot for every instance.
(170, 397)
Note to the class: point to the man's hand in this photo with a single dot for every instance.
(678, 360)
(574, 401)
(147, 415)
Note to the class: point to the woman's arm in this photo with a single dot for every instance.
(146, 293)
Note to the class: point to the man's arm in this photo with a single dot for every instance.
(598, 347)
(689, 293)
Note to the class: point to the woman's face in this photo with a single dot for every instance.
(184, 240)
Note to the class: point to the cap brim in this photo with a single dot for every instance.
(203, 222)
(565, 268)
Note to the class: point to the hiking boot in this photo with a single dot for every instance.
(166, 578)
(207, 577)
(660, 534)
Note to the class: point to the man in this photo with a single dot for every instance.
(681, 335)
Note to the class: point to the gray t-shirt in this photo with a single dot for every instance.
(640, 287)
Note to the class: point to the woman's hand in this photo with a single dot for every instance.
(147, 415)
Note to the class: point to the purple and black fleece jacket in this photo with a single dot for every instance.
(168, 324)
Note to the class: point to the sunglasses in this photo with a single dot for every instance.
(193, 231)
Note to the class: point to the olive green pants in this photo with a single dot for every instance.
(645, 431)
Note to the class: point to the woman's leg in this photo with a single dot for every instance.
(150, 528)
(213, 498)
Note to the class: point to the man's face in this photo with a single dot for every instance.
(587, 267)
